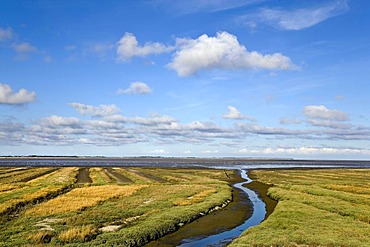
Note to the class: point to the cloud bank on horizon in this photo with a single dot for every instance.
(208, 78)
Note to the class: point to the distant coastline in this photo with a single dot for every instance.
(174, 159)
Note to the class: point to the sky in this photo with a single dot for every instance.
(221, 78)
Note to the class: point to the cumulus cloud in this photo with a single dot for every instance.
(322, 112)
(95, 111)
(235, 114)
(5, 34)
(136, 88)
(8, 96)
(301, 18)
(222, 52)
(128, 47)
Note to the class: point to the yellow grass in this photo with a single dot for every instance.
(80, 198)
(81, 233)
(40, 237)
(36, 189)
(62, 175)
(7, 187)
(195, 198)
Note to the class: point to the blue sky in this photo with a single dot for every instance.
(246, 78)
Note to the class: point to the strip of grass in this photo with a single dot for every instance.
(20, 194)
(315, 208)
(22, 174)
(80, 198)
(99, 176)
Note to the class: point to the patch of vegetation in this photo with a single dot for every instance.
(80, 198)
(15, 195)
(324, 207)
(109, 213)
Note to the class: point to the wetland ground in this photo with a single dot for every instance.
(134, 205)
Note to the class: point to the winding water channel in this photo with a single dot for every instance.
(224, 238)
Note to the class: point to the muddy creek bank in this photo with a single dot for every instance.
(219, 222)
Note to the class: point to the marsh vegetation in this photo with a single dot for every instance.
(120, 206)
(322, 207)
(131, 206)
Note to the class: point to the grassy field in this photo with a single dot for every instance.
(328, 207)
(120, 207)
(132, 206)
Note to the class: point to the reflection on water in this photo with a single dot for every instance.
(226, 237)
(173, 162)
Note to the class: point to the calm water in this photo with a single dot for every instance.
(226, 237)
(210, 163)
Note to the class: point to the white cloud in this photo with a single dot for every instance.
(153, 120)
(136, 88)
(24, 48)
(8, 96)
(310, 151)
(128, 47)
(222, 52)
(209, 151)
(11, 132)
(233, 113)
(158, 151)
(55, 120)
(5, 34)
(96, 111)
(117, 130)
(302, 18)
(322, 112)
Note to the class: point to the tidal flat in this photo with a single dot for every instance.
(152, 206)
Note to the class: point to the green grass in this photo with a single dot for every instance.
(152, 209)
(315, 208)
(99, 176)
